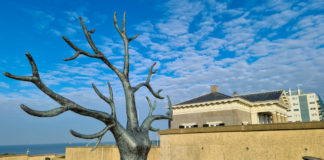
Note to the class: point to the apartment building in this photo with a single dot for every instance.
(305, 107)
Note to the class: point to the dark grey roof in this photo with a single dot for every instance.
(254, 97)
(207, 97)
(263, 96)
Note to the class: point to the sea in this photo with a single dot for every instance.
(39, 149)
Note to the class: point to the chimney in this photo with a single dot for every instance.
(298, 91)
(213, 88)
(235, 94)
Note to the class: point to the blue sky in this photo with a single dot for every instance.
(244, 46)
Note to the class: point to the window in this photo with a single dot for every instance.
(294, 98)
(311, 102)
(288, 110)
(295, 104)
(296, 109)
(313, 108)
(188, 125)
(214, 124)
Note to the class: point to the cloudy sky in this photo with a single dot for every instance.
(243, 46)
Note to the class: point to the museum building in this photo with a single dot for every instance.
(217, 109)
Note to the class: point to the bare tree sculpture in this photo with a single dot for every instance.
(133, 141)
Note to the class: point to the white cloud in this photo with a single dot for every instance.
(145, 27)
(276, 20)
(4, 85)
(181, 14)
(56, 32)
(278, 66)
(44, 19)
(73, 16)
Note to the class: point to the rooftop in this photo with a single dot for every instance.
(207, 97)
(262, 96)
(254, 97)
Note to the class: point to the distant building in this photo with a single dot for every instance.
(217, 109)
(305, 107)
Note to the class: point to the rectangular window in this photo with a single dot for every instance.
(205, 125)
(288, 110)
(313, 108)
(311, 102)
(214, 124)
(294, 98)
(296, 109)
(295, 104)
(189, 125)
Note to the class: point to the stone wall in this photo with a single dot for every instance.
(281, 141)
(229, 117)
(26, 157)
(103, 153)
(285, 141)
(14, 157)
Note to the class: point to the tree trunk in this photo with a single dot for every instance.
(132, 145)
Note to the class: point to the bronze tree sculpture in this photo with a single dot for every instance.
(133, 141)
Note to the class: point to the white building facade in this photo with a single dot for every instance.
(305, 107)
(217, 109)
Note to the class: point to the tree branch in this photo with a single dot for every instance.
(132, 119)
(32, 78)
(130, 39)
(50, 113)
(147, 84)
(150, 118)
(109, 100)
(126, 41)
(154, 129)
(98, 135)
(116, 24)
(79, 51)
(152, 107)
(66, 104)
(98, 54)
(89, 39)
